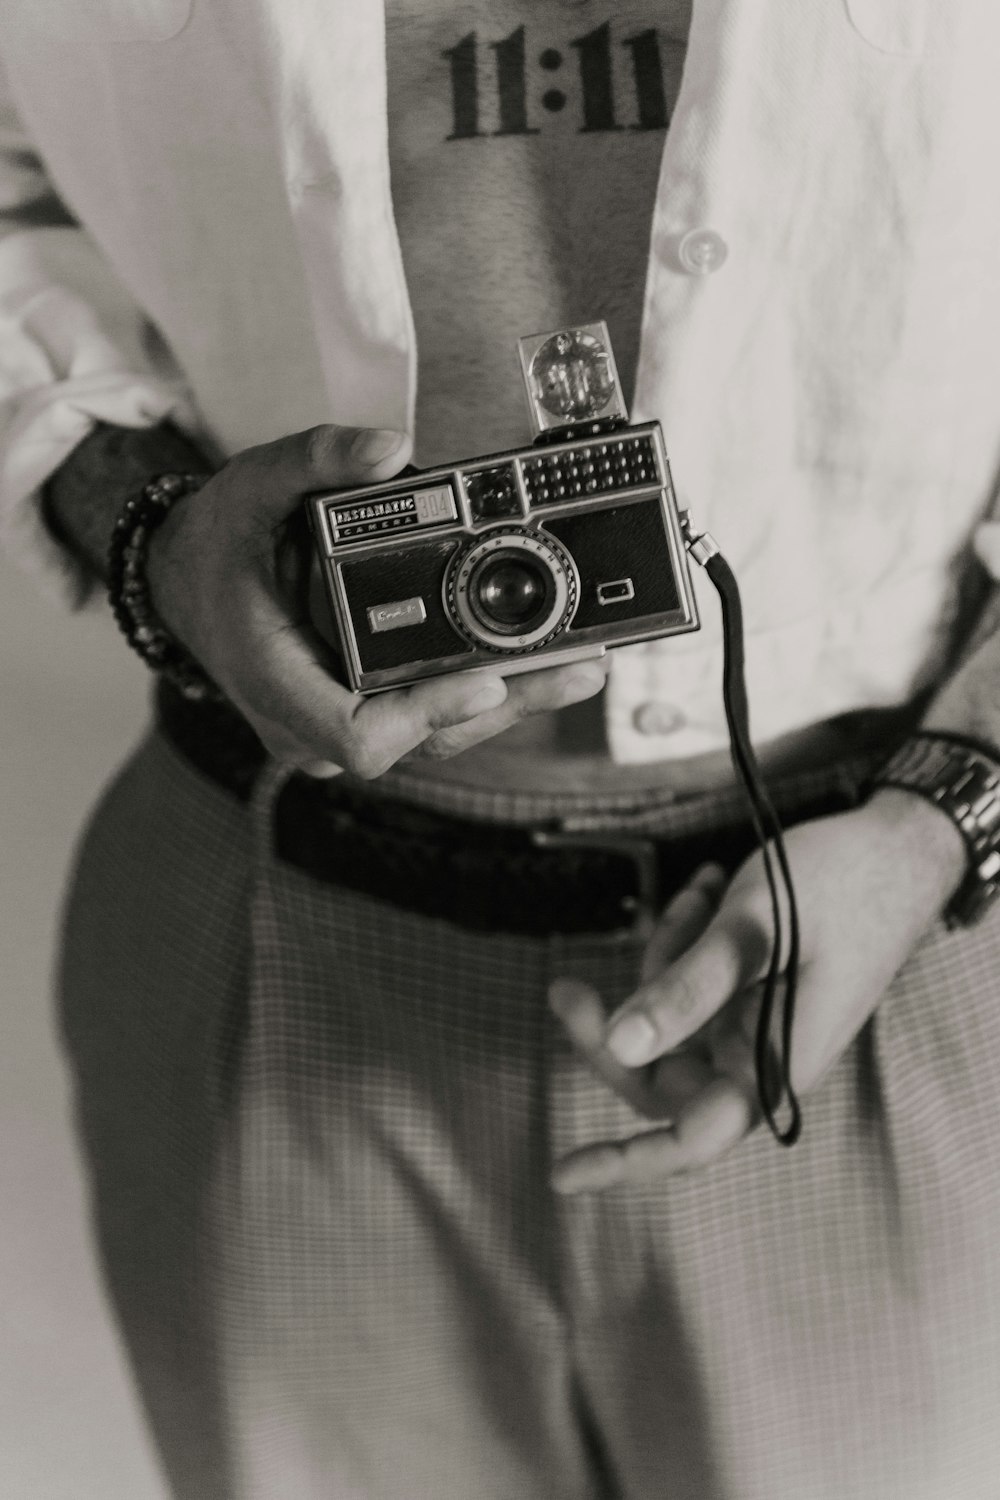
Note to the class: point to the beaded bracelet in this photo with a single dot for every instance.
(128, 589)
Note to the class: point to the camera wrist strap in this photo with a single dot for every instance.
(772, 1065)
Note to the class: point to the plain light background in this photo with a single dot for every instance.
(73, 701)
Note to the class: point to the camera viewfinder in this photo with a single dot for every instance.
(493, 493)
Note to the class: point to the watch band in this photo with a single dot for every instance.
(961, 776)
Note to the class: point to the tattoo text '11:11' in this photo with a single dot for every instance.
(594, 61)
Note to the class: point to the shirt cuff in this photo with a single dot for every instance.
(49, 424)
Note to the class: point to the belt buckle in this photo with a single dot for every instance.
(644, 906)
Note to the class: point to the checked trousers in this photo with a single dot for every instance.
(318, 1133)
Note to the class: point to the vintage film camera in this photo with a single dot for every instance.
(530, 558)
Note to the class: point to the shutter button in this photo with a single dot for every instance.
(702, 251)
(657, 718)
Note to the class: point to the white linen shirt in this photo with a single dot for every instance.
(829, 385)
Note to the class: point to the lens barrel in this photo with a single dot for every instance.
(512, 589)
(511, 592)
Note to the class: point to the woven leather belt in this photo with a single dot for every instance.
(500, 878)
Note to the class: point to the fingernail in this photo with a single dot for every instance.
(582, 685)
(373, 446)
(632, 1039)
(490, 695)
(320, 770)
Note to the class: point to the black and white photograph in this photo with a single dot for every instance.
(500, 827)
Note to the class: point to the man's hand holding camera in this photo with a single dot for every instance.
(222, 577)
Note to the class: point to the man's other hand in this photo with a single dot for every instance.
(680, 1050)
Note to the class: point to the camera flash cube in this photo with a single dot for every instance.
(570, 378)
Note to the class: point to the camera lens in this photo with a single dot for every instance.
(511, 589)
(511, 592)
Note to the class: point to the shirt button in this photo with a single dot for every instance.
(657, 718)
(702, 251)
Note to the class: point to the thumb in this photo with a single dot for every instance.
(731, 953)
(321, 458)
(683, 920)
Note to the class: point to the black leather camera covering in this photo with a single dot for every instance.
(414, 570)
(625, 541)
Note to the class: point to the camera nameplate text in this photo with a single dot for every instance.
(353, 519)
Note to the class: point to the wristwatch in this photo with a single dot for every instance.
(961, 776)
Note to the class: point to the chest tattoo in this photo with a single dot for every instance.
(498, 101)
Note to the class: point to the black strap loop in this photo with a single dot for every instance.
(774, 1083)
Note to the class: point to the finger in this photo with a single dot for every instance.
(281, 679)
(527, 694)
(730, 1040)
(287, 750)
(317, 770)
(278, 474)
(403, 721)
(731, 954)
(684, 919)
(579, 1008)
(715, 1121)
(678, 1077)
